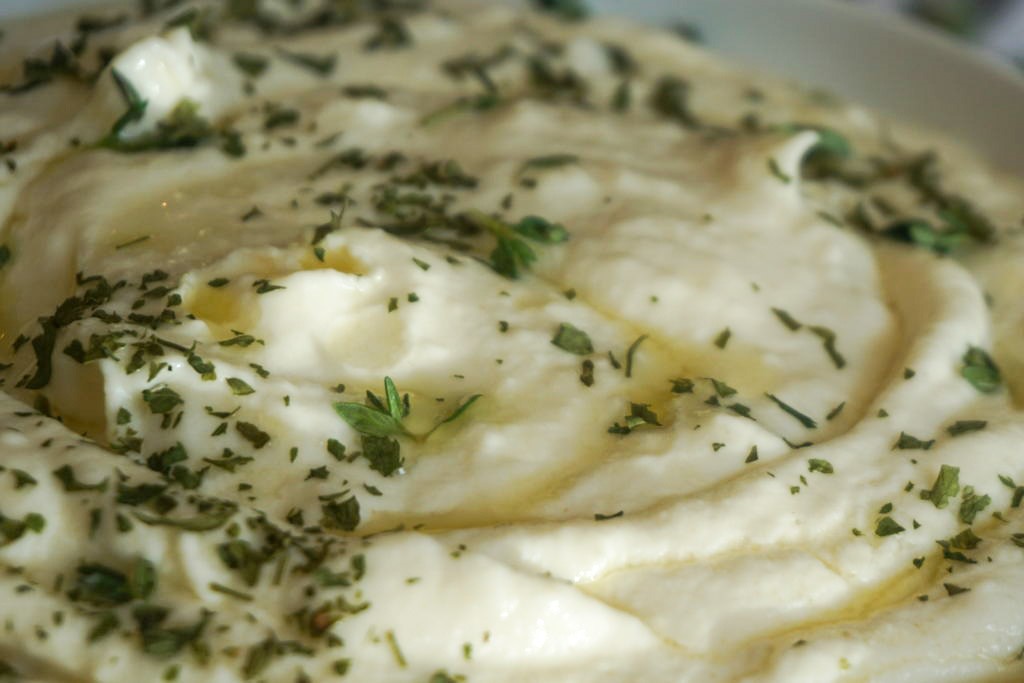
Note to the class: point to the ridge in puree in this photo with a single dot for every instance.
(449, 341)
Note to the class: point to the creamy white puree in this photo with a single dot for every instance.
(497, 552)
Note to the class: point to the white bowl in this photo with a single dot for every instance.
(862, 54)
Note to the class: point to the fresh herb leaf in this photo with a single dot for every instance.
(818, 465)
(547, 162)
(887, 526)
(640, 415)
(971, 504)
(253, 434)
(800, 417)
(786, 319)
(458, 412)
(239, 387)
(670, 100)
(383, 453)
(342, 515)
(368, 420)
(946, 486)
(981, 371)
(907, 442)
(572, 339)
(214, 518)
(632, 352)
(250, 64)
(966, 426)
(321, 65)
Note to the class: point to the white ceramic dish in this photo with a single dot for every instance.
(862, 54)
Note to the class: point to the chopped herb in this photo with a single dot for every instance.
(458, 412)
(342, 515)
(631, 352)
(383, 453)
(835, 411)
(214, 518)
(336, 449)
(829, 339)
(587, 373)
(278, 116)
(598, 517)
(239, 387)
(682, 386)
(786, 319)
(253, 434)
(966, 426)
(887, 526)
(723, 338)
(250, 64)
(752, 455)
(971, 504)
(946, 486)
(818, 465)
(953, 589)
(670, 99)
(101, 586)
(547, 162)
(722, 389)
(131, 243)
(162, 400)
(640, 415)
(803, 419)
(980, 370)
(321, 65)
(907, 442)
(572, 339)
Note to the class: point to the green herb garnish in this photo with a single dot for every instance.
(946, 486)
(981, 371)
(570, 338)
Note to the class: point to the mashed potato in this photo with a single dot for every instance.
(405, 341)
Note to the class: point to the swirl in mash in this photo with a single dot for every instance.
(458, 343)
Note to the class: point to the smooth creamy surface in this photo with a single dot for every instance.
(729, 473)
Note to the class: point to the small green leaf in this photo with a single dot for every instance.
(383, 453)
(946, 486)
(971, 504)
(572, 339)
(541, 230)
(367, 420)
(548, 161)
(250, 64)
(458, 412)
(907, 442)
(800, 417)
(981, 371)
(394, 399)
(239, 387)
(818, 465)
(342, 515)
(965, 426)
(887, 526)
(253, 434)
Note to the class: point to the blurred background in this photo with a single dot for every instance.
(995, 24)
